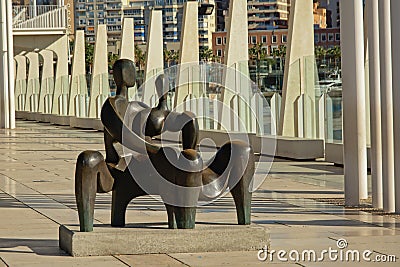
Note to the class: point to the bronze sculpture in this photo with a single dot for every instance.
(232, 167)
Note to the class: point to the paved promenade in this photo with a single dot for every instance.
(37, 164)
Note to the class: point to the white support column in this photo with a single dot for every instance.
(236, 76)
(11, 67)
(99, 89)
(354, 136)
(299, 74)
(20, 82)
(7, 103)
(4, 82)
(189, 71)
(47, 83)
(33, 84)
(395, 7)
(127, 49)
(34, 6)
(154, 55)
(372, 18)
(78, 86)
(386, 105)
(61, 87)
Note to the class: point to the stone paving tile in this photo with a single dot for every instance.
(37, 164)
(25, 257)
(247, 258)
(150, 260)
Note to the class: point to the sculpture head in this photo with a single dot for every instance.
(124, 73)
(162, 85)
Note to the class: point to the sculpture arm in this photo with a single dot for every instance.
(115, 126)
(185, 122)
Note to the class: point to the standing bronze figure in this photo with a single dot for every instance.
(232, 167)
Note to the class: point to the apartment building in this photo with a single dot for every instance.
(268, 14)
(273, 39)
(319, 14)
(89, 13)
(333, 12)
(262, 14)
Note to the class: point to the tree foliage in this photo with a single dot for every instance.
(89, 56)
(140, 58)
(206, 54)
(171, 57)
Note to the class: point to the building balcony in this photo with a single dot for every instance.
(40, 18)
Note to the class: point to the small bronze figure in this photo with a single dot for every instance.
(94, 174)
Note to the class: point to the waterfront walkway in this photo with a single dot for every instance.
(37, 164)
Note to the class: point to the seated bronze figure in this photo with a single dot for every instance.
(232, 166)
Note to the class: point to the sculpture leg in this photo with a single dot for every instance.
(241, 191)
(171, 216)
(237, 159)
(125, 189)
(91, 177)
(188, 176)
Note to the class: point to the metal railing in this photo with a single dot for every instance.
(39, 17)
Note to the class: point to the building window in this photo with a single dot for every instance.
(330, 37)
(224, 40)
(263, 39)
(323, 37)
(316, 38)
(337, 37)
(218, 41)
(219, 52)
(274, 39)
(253, 39)
(284, 38)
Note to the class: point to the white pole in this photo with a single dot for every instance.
(375, 102)
(7, 108)
(11, 70)
(3, 67)
(354, 124)
(387, 105)
(395, 6)
(34, 7)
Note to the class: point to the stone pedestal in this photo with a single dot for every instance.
(106, 240)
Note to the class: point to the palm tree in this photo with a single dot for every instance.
(205, 54)
(216, 58)
(167, 57)
(111, 60)
(89, 51)
(174, 57)
(335, 53)
(140, 58)
(258, 53)
(320, 54)
(280, 53)
(171, 57)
